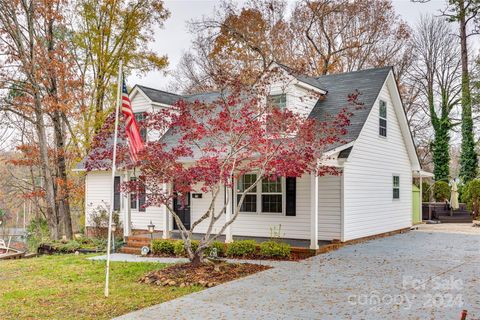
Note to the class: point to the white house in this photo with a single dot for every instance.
(373, 195)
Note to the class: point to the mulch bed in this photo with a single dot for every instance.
(294, 256)
(205, 275)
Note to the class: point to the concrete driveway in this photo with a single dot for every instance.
(431, 273)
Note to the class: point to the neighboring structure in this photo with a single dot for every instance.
(373, 195)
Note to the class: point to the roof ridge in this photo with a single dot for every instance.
(200, 93)
(142, 86)
(350, 72)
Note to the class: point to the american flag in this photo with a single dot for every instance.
(135, 142)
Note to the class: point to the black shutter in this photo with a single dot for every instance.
(291, 196)
(116, 194)
(141, 198)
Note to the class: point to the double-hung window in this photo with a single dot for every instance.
(272, 195)
(382, 128)
(277, 100)
(396, 187)
(265, 198)
(140, 117)
(137, 199)
(250, 201)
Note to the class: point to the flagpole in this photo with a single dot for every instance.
(114, 168)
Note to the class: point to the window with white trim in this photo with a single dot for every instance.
(140, 117)
(382, 125)
(249, 203)
(277, 100)
(396, 187)
(267, 197)
(137, 199)
(272, 195)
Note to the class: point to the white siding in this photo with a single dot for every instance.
(199, 206)
(97, 193)
(329, 207)
(140, 220)
(369, 207)
(299, 100)
(140, 103)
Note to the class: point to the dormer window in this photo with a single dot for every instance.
(274, 101)
(277, 100)
(382, 128)
(140, 117)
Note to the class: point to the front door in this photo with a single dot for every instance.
(182, 209)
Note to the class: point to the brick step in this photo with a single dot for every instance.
(135, 238)
(137, 244)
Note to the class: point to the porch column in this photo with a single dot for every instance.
(313, 211)
(127, 212)
(166, 219)
(421, 195)
(228, 214)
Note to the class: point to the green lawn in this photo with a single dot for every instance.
(71, 287)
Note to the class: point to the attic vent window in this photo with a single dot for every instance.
(383, 119)
(277, 100)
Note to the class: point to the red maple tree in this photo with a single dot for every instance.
(204, 146)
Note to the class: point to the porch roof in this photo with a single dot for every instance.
(422, 173)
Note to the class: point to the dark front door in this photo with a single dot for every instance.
(182, 209)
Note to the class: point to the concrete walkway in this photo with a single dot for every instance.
(425, 274)
(123, 257)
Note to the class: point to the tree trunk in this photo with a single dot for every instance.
(468, 158)
(52, 218)
(196, 260)
(62, 188)
(99, 99)
(63, 207)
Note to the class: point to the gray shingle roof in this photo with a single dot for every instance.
(368, 82)
(160, 96)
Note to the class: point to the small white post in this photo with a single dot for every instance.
(166, 219)
(421, 195)
(228, 214)
(314, 211)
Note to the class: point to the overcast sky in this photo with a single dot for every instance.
(174, 38)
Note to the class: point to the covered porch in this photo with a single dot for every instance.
(315, 222)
